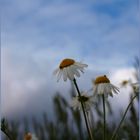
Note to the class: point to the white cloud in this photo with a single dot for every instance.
(120, 101)
(123, 74)
(26, 82)
(35, 37)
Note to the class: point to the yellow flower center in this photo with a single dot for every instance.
(125, 82)
(83, 99)
(101, 79)
(66, 62)
(28, 136)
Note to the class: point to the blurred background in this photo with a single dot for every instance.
(37, 34)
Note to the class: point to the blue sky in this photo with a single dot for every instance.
(38, 34)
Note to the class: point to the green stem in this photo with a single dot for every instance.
(103, 98)
(117, 129)
(87, 113)
(84, 112)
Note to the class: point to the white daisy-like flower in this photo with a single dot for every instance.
(69, 68)
(125, 83)
(136, 87)
(30, 136)
(102, 86)
(88, 101)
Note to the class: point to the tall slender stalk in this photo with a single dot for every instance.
(103, 98)
(84, 112)
(7, 134)
(89, 123)
(117, 129)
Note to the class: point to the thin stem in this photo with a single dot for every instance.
(83, 109)
(117, 129)
(103, 98)
(87, 113)
(7, 134)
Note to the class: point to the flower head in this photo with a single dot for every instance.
(88, 101)
(69, 68)
(102, 85)
(125, 83)
(136, 87)
(30, 136)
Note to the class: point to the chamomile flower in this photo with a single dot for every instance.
(30, 136)
(136, 87)
(124, 83)
(88, 101)
(102, 86)
(69, 68)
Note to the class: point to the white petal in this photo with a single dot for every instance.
(79, 68)
(59, 75)
(108, 88)
(93, 98)
(65, 74)
(70, 73)
(75, 71)
(101, 89)
(74, 102)
(115, 89)
(56, 71)
(81, 64)
(95, 90)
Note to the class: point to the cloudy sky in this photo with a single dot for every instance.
(37, 34)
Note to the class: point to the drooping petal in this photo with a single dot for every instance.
(59, 75)
(79, 68)
(65, 74)
(75, 71)
(70, 73)
(56, 71)
(81, 64)
(115, 89)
